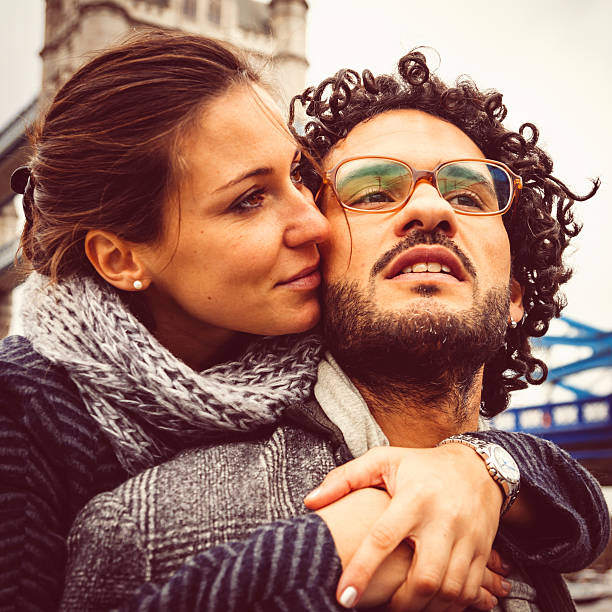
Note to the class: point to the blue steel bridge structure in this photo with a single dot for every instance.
(583, 425)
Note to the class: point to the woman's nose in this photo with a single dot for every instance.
(308, 224)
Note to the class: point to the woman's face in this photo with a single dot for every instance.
(239, 249)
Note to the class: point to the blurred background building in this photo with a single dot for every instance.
(273, 33)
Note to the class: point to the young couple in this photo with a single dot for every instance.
(165, 407)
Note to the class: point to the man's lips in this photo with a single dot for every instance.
(308, 278)
(426, 254)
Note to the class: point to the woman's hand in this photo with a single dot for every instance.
(349, 519)
(445, 504)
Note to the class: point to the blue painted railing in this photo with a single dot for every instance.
(583, 426)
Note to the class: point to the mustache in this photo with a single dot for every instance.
(416, 237)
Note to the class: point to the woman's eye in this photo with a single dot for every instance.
(250, 201)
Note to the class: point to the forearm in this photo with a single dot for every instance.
(289, 563)
(561, 519)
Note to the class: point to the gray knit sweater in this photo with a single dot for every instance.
(147, 528)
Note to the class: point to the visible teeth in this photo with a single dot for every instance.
(432, 266)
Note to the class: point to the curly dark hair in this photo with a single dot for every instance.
(539, 226)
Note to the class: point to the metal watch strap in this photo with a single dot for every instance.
(509, 490)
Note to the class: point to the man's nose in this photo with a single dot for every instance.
(426, 210)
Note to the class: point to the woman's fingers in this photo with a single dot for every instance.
(462, 587)
(495, 583)
(429, 563)
(426, 575)
(497, 564)
(461, 583)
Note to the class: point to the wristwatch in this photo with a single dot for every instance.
(502, 467)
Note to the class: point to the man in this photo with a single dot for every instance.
(425, 298)
(426, 287)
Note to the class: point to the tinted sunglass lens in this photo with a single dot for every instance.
(474, 186)
(373, 184)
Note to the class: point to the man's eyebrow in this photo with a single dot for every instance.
(263, 171)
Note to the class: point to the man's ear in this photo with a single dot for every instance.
(516, 300)
(116, 260)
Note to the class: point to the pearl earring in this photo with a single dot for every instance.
(137, 285)
(513, 324)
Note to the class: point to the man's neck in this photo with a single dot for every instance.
(412, 416)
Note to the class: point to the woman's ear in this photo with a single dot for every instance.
(116, 260)
(516, 301)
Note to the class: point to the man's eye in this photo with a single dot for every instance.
(370, 200)
(466, 201)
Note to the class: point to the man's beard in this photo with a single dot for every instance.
(425, 350)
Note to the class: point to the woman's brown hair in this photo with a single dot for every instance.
(106, 152)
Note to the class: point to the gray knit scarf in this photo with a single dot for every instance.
(147, 401)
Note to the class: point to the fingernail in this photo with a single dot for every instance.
(505, 566)
(506, 586)
(348, 597)
(313, 493)
(493, 602)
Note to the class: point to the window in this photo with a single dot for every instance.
(214, 11)
(189, 8)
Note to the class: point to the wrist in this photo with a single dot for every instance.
(350, 518)
(500, 465)
(481, 480)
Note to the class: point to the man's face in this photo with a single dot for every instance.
(383, 255)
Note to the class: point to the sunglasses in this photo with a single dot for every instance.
(382, 184)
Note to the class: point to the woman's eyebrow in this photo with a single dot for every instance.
(263, 171)
(257, 172)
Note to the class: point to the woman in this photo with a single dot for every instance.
(167, 224)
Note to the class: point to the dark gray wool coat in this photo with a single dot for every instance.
(155, 523)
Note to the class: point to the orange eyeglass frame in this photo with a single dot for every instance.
(428, 176)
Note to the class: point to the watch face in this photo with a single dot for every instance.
(506, 464)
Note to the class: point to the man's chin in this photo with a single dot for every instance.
(420, 338)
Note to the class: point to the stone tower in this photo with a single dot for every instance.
(273, 33)
(288, 23)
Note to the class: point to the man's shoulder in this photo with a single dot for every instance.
(250, 470)
(212, 494)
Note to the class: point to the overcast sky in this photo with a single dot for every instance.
(550, 58)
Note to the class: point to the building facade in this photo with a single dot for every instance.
(272, 33)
